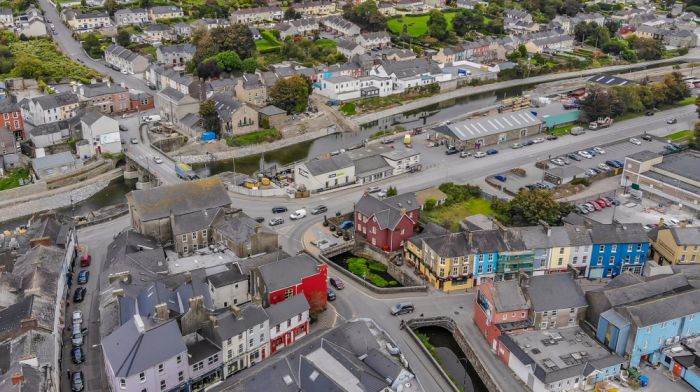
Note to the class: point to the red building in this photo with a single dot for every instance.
(140, 101)
(289, 322)
(11, 118)
(275, 282)
(387, 223)
(500, 307)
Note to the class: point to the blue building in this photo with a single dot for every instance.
(646, 319)
(617, 248)
(684, 361)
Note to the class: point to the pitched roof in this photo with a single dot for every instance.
(322, 166)
(132, 348)
(287, 272)
(52, 101)
(480, 127)
(271, 110)
(180, 199)
(628, 233)
(554, 291)
(224, 278)
(91, 117)
(240, 227)
(508, 296)
(55, 160)
(662, 309)
(387, 211)
(285, 310)
(686, 235)
(229, 325)
(98, 89)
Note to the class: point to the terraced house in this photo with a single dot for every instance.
(617, 248)
(677, 245)
(256, 15)
(164, 12)
(85, 21)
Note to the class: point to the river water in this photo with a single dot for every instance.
(112, 194)
(453, 360)
(425, 116)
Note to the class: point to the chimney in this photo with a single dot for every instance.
(196, 302)
(470, 235)
(683, 223)
(162, 312)
(235, 310)
(523, 280)
(28, 323)
(118, 293)
(214, 321)
(17, 378)
(257, 229)
(403, 211)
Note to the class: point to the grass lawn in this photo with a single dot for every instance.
(416, 25)
(268, 42)
(450, 216)
(325, 43)
(50, 63)
(348, 109)
(680, 136)
(687, 101)
(12, 177)
(561, 131)
(263, 136)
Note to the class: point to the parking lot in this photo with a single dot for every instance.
(613, 151)
(645, 211)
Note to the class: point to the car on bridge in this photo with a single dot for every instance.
(158, 160)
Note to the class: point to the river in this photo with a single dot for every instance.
(112, 194)
(425, 116)
(452, 359)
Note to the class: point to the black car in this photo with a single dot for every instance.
(650, 113)
(79, 294)
(77, 381)
(451, 151)
(259, 219)
(552, 137)
(279, 210)
(337, 283)
(647, 137)
(77, 355)
(331, 295)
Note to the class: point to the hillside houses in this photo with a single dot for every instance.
(122, 58)
(257, 15)
(299, 27)
(341, 26)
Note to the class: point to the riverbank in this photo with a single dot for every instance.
(242, 152)
(33, 203)
(467, 91)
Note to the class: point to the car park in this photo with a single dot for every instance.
(500, 178)
(337, 283)
(402, 308)
(85, 261)
(585, 154)
(603, 167)
(491, 152)
(77, 355)
(79, 294)
(574, 157)
(599, 150)
(319, 210)
(276, 221)
(158, 160)
(330, 294)
(77, 381)
(83, 276)
(635, 141)
(279, 210)
(479, 154)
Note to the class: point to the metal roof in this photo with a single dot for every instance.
(484, 126)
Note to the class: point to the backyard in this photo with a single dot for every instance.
(416, 25)
(450, 216)
(12, 178)
(680, 136)
(268, 42)
(40, 59)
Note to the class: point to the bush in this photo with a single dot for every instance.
(257, 137)
(580, 181)
(430, 204)
(458, 193)
(358, 266)
(377, 280)
(348, 109)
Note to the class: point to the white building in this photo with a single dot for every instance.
(6, 17)
(323, 174)
(341, 88)
(51, 108)
(401, 160)
(229, 287)
(129, 16)
(410, 73)
(101, 132)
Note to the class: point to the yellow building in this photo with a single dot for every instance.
(445, 260)
(677, 245)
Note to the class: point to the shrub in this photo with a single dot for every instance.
(377, 280)
(581, 181)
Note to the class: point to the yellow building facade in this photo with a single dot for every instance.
(677, 245)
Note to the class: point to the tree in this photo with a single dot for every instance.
(92, 46)
(110, 6)
(291, 94)
(529, 207)
(29, 67)
(145, 3)
(695, 141)
(236, 38)
(291, 14)
(209, 116)
(646, 48)
(437, 24)
(467, 20)
(570, 7)
(366, 15)
(123, 38)
(430, 204)
(249, 65)
(391, 191)
(208, 69)
(596, 104)
(228, 61)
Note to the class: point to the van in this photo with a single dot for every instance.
(298, 214)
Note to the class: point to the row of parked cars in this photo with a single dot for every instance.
(298, 214)
(78, 331)
(596, 205)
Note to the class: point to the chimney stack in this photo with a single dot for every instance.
(235, 310)
(257, 229)
(162, 312)
(17, 378)
(683, 223)
(188, 277)
(118, 293)
(28, 323)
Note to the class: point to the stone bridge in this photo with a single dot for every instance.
(134, 169)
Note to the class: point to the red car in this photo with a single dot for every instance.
(85, 261)
(596, 205)
(600, 203)
(605, 201)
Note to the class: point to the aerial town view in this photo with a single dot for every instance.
(349, 196)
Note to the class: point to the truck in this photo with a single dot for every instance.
(602, 122)
(185, 172)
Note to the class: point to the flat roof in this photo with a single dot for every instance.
(191, 263)
(686, 164)
(484, 126)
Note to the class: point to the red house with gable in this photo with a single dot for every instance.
(11, 118)
(387, 223)
(277, 281)
(501, 308)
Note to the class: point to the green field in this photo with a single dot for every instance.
(325, 43)
(417, 26)
(680, 136)
(41, 59)
(268, 42)
(12, 177)
(257, 137)
(450, 216)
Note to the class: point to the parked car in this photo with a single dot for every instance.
(564, 159)
(538, 140)
(158, 160)
(76, 339)
(402, 308)
(85, 261)
(479, 154)
(552, 137)
(381, 193)
(599, 150)
(595, 205)
(528, 143)
(603, 167)
(279, 210)
(585, 154)
(491, 152)
(134, 140)
(259, 219)
(605, 201)
(464, 154)
(319, 210)
(122, 128)
(330, 295)
(516, 146)
(612, 163)
(77, 317)
(79, 294)
(77, 381)
(451, 151)
(650, 113)
(635, 141)
(613, 200)
(647, 137)
(83, 276)
(373, 189)
(500, 178)
(276, 221)
(337, 283)
(574, 157)
(671, 121)
(557, 161)
(76, 354)
(581, 209)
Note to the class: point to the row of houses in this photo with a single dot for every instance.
(31, 23)
(273, 14)
(86, 20)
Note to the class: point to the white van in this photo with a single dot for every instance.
(298, 214)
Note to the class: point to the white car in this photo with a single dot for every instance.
(603, 167)
(585, 154)
(381, 193)
(158, 160)
(77, 317)
(479, 154)
(298, 214)
(538, 140)
(635, 141)
(557, 161)
(599, 150)
(124, 71)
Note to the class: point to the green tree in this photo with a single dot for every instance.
(249, 65)
(290, 14)
(437, 24)
(123, 38)
(695, 141)
(391, 191)
(209, 116)
(529, 207)
(467, 20)
(236, 38)
(29, 67)
(92, 46)
(596, 104)
(228, 61)
(647, 48)
(110, 6)
(291, 94)
(366, 15)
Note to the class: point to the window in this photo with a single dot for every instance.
(561, 251)
(160, 368)
(162, 385)
(561, 260)
(601, 248)
(481, 257)
(194, 236)
(545, 313)
(491, 257)
(122, 383)
(522, 314)
(465, 269)
(442, 272)
(184, 238)
(585, 259)
(179, 359)
(554, 312)
(575, 259)
(142, 377)
(198, 366)
(180, 376)
(571, 310)
(262, 337)
(230, 353)
(204, 234)
(240, 347)
(480, 269)
(629, 247)
(455, 271)
(639, 247)
(600, 259)
(505, 316)
(627, 259)
(636, 259)
(288, 293)
(612, 259)
(185, 249)
(277, 330)
(543, 325)
(442, 261)
(613, 248)
(489, 268)
(250, 342)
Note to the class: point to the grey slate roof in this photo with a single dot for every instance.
(278, 377)
(686, 235)
(371, 164)
(91, 117)
(47, 129)
(508, 296)
(52, 101)
(387, 211)
(200, 349)
(287, 272)
(662, 309)
(184, 48)
(554, 291)
(450, 245)
(271, 110)
(99, 89)
(380, 363)
(172, 94)
(334, 163)
(7, 106)
(240, 227)
(285, 310)
(229, 325)
(14, 314)
(230, 276)
(195, 220)
(181, 198)
(131, 351)
(628, 233)
(51, 161)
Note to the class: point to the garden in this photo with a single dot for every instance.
(13, 178)
(371, 271)
(257, 137)
(416, 25)
(462, 201)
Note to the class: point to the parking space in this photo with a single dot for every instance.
(645, 211)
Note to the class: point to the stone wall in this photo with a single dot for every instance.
(364, 249)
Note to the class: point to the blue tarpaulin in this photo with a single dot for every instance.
(206, 136)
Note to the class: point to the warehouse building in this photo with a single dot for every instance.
(477, 133)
